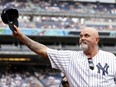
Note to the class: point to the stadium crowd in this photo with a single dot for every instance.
(55, 5)
(28, 78)
(45, 22)
(18, 80)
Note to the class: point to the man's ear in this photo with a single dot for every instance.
(97, 40)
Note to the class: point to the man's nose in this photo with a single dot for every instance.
(82, 38)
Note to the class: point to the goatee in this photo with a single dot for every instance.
(83, 46)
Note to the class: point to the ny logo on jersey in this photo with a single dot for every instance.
(103, 69)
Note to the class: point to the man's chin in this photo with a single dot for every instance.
(83, 46)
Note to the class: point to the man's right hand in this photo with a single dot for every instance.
(17, 33)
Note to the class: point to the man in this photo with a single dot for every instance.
(91, 67)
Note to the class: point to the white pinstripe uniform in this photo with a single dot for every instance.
(75, 66)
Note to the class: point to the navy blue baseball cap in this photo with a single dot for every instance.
(10, 15)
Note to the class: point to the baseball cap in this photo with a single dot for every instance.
(10, 15)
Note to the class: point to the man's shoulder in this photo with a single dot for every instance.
(106, 52)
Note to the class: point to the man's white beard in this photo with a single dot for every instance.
(83, 46)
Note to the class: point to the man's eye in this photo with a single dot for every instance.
(81, 36)
(86, 35)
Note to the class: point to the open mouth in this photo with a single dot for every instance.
(83, 42)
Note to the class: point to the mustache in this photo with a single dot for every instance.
(83, 42)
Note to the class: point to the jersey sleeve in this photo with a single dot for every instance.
(59, 59)
(115, 66)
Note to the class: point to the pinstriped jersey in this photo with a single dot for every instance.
(74, 64)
